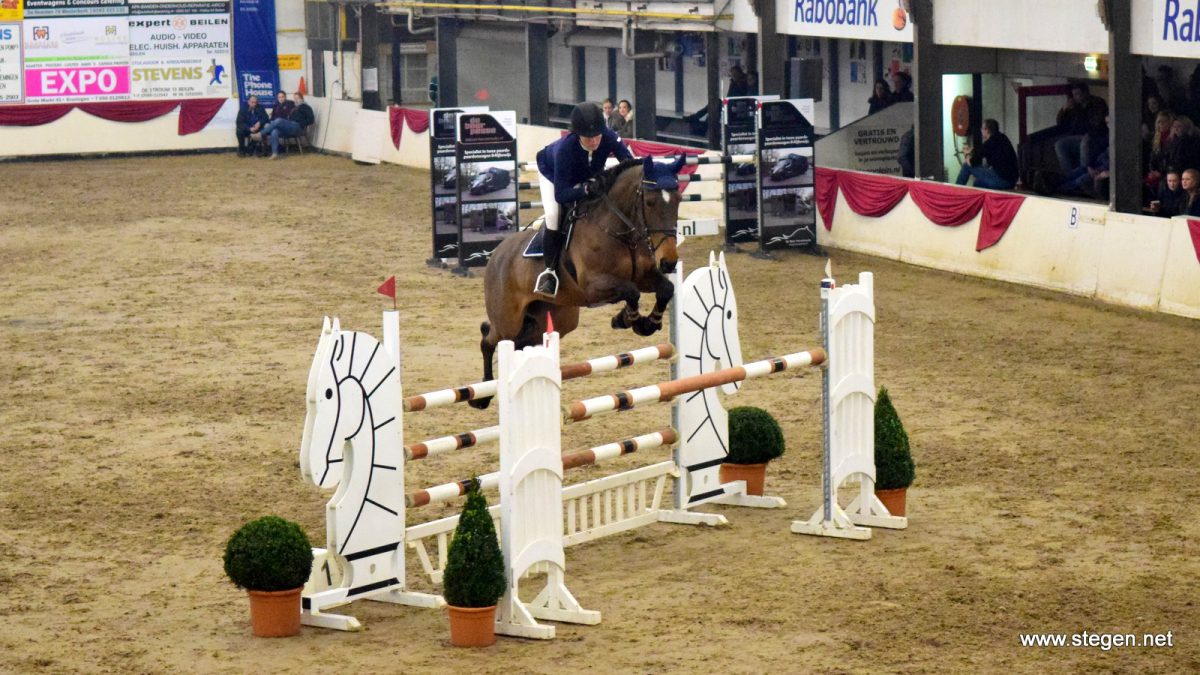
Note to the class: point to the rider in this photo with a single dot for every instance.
(566, 168)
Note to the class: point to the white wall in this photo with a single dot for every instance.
(853, 96)
(1039, 25)
(492, 68)
(289, 39)
(1073, 247)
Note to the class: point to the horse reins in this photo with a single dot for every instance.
(640, 232)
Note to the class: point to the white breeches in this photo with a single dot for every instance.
(551, 207)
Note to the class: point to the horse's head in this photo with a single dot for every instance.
(335, 408)
(722, 341)
(660, 206)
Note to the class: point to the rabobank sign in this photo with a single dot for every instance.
(859, 19)
(1177, 28)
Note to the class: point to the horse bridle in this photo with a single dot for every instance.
(637, 233)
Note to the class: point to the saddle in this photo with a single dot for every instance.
(534, 248)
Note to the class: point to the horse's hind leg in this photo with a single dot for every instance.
(487, 346)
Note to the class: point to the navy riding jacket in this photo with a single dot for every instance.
(567, 164)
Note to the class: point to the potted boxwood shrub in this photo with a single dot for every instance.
(894, 466)
(271, 558)
(754, 439)
(474, 578)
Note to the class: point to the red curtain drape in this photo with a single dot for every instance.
(398, 118)
(872, 195)
(129, 111)
(1194, 230)
(32, 115)
(196, 113)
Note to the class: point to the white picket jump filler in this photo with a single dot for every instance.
(848, 408)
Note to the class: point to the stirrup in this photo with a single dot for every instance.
(547, 283)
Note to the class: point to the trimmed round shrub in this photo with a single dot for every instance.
(754, 436)
(268, 554)
(474, 575)
(894, 466)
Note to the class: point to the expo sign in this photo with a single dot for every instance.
(88, 82)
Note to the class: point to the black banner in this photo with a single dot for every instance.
(444, 181)
(739, 124)
(785, 175)
(486, 169)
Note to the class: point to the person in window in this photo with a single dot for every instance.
(1191, 188)
(622, 119)
(566, 168)
(1085, 122)
(1171, 199)
(880, 98)
(994, 164)
(901, 87)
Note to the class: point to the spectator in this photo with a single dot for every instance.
(299, 121)
(880, 99)
(906, 154)
(622, 119)
(283, 107)
(250, 120)
(1191, 189)
(1159, 142)
(1150, 113)
(1084, 121)
(738, 86)
(607, 106)
(994, 165)
(1171, 197)
(1090, 180)
(1183, 148)
(752, 84)
(901, 87)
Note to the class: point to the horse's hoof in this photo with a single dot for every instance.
(480, 403)
(645, 327)
(619, 323)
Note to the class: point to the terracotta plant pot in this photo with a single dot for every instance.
(894, 500)
(275, 613)
(754, 475)
(472, 626)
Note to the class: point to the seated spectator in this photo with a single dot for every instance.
(622, 119)
(1183, 147)
(1150, 113)
(250, 120)
(994, 165)
(1090, 180)
(1083, 121)
(1159, 142)
(301, 118)
(880, 98)
(1191, 189)
(607, 106)
(901, 87)
(283, 107)
(1171, 197)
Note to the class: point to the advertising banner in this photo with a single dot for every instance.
(12, 10)
(739, 136)
(443, 133)
(785, 174)
(180, 56)
(255, 53)
(11, 83)
(76, 59)
(1176, 26)
(486, 166)
(887, 20)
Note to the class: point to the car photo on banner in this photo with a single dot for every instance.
(489, 181)
(786, 167)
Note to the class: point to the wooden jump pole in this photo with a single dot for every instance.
(665, 391)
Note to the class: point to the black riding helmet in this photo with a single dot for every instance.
(587, 119)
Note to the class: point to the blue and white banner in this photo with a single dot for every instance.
(887, 20)
(1176, 26)
(255, 56)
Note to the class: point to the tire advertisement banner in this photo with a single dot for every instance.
(486, 169)
(443, 136)
(785, 174)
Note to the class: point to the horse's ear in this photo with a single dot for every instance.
(647, 165)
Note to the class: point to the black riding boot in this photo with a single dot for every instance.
(547, 281)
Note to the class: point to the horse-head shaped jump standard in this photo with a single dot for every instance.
(708, 318)
(622, 245)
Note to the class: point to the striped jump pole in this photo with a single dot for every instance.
(601, 453)
(437, 446)
(739, 159)
(603, 364)
(665, 391)
(697, 178)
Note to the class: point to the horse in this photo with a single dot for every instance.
(622, 245)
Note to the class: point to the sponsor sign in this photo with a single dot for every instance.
(59, 85)
(888, 20)
(1177, 28)
(11, 89)
(485, 157)
(444, 178)
(59, 8)
(180, 56)
(739, 129)
(76, 59)
(291, 62)
(785, 175)
(12, 10)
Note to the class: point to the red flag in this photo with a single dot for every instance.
(389, 288)
(549, 323)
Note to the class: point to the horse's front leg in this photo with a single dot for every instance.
(629, 314)
(650, 324)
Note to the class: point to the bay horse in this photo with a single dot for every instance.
(622, 245)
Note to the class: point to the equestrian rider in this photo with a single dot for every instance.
(565, 170)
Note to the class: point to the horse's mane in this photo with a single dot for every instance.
(605, 181)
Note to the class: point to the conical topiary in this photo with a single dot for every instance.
(474, 575)
(894, 467)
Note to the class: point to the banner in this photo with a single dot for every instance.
(739, 129)
(255, 54)
(12, 10)
(887, 20)
(60, 8)
(1176, 28)
(11, 83)
(77, 59)
(443, 133)
(486, 159)
(179, 56)
(785, 174)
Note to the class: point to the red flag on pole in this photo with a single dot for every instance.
(389, 287)
(549, 323)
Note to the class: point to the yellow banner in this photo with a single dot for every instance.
(12, 10)
(286, 61)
